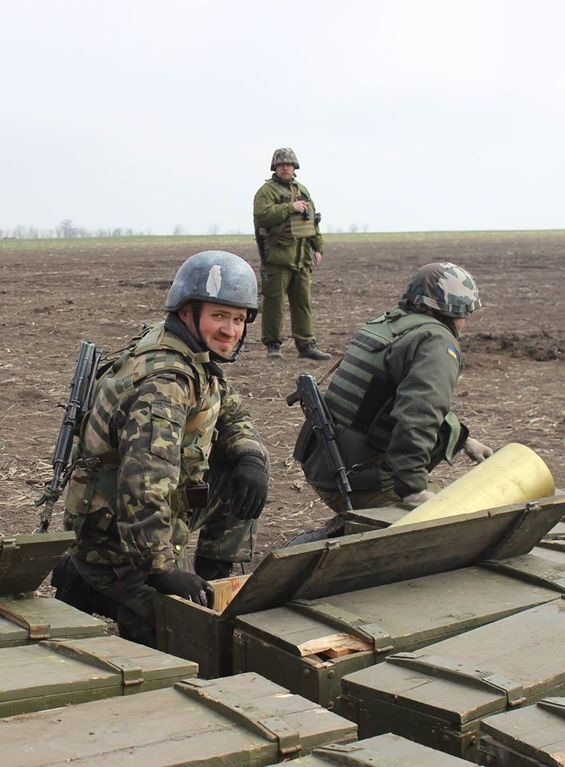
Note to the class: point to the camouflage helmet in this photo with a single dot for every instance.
(444, 287)
(282, 156)
(217, 277)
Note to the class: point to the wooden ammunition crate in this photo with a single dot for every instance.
(530, 737)
(437, 696)
(347, 564)
(382, 751)
(310, 645)
(56, 673)
(242, 721)
(25, 562)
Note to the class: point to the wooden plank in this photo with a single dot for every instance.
(334, 646)
(225, 590)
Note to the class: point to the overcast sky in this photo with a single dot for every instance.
(405, 115)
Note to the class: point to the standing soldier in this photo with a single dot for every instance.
(390, 397)
(167, 448)
(290, 244)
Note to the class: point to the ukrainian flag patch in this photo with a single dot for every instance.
(453, 352)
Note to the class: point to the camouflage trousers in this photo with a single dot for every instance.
(117, 593)
(222, 536)
(276, 283)
(120, 592)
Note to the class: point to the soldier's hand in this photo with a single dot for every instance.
(415, 499)
(317, 257)
(299, 206)
(183, 584)
(476, 450)
(246, 489)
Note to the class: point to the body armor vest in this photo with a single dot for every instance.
(93, 484)
(361, 387)
(297, 225)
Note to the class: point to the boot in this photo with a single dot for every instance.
(312, 352)
(274, 351)
(335, 528)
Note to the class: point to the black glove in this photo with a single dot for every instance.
(246, 489)
(183, 584)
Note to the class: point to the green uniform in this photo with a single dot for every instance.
(164, 421)
(390, 399)
(286, 244)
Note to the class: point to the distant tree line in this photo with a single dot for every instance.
(66, 229)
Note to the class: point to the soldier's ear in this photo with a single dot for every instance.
(184, 312)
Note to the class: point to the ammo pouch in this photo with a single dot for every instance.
(192, 497)
(301, 227)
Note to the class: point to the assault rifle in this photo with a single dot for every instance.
(79, 402)
(319, 422)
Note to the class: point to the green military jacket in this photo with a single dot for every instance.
(284, 238)
(156, 413)
(390, 399)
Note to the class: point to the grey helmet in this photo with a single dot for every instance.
(443, 287)
(282, 156)
(217, 277)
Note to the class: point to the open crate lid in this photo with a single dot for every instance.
(389, 617)
(26, 560)
(353, 562)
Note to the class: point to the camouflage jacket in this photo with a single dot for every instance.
(146, 440)
(390, 398)
(285, 238)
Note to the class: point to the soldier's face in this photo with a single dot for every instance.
(285, 171)
(221, 327)
(459, 323)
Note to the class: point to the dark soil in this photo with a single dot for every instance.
(511, 389)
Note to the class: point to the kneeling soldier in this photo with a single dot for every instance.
(167, 448)
(390, 397)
